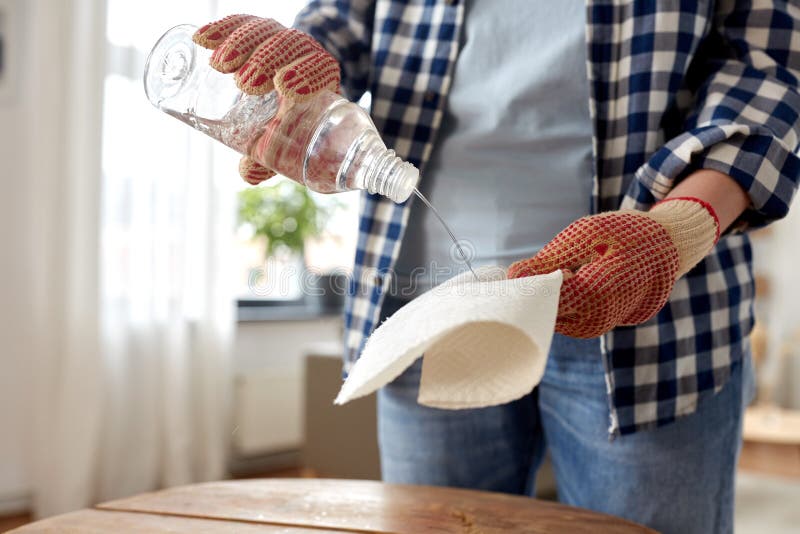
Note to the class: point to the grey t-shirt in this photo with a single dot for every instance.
(512, 164)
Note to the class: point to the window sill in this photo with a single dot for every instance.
(258, 310)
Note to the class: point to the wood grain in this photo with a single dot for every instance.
(103, 522)
(367, 506)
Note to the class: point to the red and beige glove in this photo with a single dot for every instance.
(264, 56)
(620, 266)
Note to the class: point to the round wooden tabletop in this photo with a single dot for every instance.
(313, 506)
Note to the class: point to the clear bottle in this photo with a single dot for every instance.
(328, 144)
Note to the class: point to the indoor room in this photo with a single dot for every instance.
(435, 266)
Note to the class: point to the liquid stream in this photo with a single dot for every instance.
(447, 229)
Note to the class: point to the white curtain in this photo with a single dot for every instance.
(133, 306)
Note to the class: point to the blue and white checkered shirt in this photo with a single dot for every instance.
(675, 87)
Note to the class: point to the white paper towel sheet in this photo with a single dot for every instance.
(484, 342)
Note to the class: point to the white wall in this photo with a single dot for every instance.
(269, 381)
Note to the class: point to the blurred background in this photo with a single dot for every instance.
(154, 330)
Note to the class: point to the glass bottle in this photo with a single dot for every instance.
(328, 144)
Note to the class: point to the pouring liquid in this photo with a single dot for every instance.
(447, 229)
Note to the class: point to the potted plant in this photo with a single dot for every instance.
(284, 215)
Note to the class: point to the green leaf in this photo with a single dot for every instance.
(285, 213)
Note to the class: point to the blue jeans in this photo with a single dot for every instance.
(676, 478)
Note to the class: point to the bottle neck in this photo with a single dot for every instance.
(377, 169)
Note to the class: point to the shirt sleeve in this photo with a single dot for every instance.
(344, 28)
(744, 120)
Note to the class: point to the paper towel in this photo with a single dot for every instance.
(484, 342)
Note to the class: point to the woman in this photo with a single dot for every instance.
(524, 116)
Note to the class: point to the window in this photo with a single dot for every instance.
(177, 151)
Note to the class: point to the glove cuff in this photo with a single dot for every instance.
(693, 226)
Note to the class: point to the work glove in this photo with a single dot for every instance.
(264, 56)
(619, 267)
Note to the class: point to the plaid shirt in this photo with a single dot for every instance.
(675, 86)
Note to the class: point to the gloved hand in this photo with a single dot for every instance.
(265, 56)
(620, 266)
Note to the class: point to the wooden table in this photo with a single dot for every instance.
(314, 506)
(771, 441)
